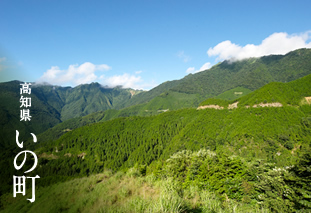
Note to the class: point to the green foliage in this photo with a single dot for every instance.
(256, 157)
(251, 73)
(274, 193)
(215, 186)
(300, 180)
(137, 171)
(43, 115)
(209, 171)
(53, 104)
(233, 180)
(121, 143)
(184, 165)
(222, 80)
(233, 94)
(124, 142)
(292, 93)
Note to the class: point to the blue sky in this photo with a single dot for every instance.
(141, 43)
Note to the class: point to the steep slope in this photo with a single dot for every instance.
(51, 105)
(250, 74)
(233, 94)
(291, 93)
(271, 134)
(147, 96)
(294, 93)
(88, 98)
(122, 142)
(44, 116)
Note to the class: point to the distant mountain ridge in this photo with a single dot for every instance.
(250, 74)
(294, 94)
(273, 134)
(53, 104)
(86, 145)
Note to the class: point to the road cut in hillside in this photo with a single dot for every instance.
(235, 105)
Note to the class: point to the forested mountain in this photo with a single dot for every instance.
(44, 113)
(291, 93)
(257, 156)
(248, 74)
(51, 105)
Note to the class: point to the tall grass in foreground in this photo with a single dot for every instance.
(122, 192)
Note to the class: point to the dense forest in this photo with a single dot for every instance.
(241, 149)
(256, 156)
(54, 104)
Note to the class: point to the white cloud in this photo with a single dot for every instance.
(74, 75)
(127, 81)
(183, 56)
(88, 72)
(205, 66)
(190, 70)
(277, 43)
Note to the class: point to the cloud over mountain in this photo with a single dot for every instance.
(205, 66)
(87, 73)
(277, 43)
(74, 75)
(126, 81)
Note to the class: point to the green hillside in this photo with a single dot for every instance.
(88, 98)
(292, 93)
(277, 137)
(122, 192)
(243, 159)
(233, 94)
(147, 96)
(44, 116)
(249, 74)
(52, 105)
(123, 142)
(247, 142)
(273, 92)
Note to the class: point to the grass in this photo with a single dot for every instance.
(121, 192)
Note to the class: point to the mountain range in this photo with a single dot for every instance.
(240, 130)
(54, 104)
